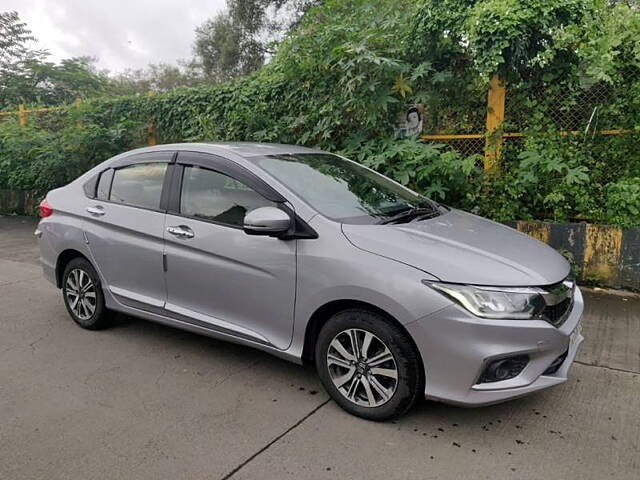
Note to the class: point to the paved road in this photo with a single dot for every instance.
(145, 401)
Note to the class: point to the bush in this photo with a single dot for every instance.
(442, 175)
(340, 80)
(623, 202)
(36, 159)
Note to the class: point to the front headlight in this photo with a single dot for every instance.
(495, 302)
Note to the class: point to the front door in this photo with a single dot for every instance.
(218, 276)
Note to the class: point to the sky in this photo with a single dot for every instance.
(122, 34)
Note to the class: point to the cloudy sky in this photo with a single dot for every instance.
(120, 33)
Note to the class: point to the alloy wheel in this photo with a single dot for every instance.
(362, 367)
(80, 292)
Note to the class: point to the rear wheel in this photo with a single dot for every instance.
(83, 295)
(369, 365)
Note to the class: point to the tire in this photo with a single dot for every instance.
(87, 309)
(369, 389)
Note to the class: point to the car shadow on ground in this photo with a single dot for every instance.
(178, 339)
(425, 411)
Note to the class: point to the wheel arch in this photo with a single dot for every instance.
(326, 311)
(63, 260)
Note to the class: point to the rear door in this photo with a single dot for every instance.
(217, 275)
(125, 229)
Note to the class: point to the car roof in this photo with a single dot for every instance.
(252, 149)
(242, 149)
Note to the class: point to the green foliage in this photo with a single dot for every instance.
(46, 83)
(157, 78)
(239, 39)
(623, 202)
(444, 176)
(548, 180)
(353, 49)
(26, 76)
(606, 39)
(340, 79)
(221, 49)
(14, 39)
(507, 36)
(32, 158)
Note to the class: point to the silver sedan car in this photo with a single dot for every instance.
(316, 259)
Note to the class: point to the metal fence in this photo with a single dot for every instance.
(511, 109)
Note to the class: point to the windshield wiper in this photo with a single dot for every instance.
(410, 214)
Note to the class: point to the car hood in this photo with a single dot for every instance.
(459, 247)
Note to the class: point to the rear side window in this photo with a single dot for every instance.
(139, 185)
(210, 195)
(104, 185)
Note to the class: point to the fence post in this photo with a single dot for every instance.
(495, 117)
(151, 128)
(22, 115)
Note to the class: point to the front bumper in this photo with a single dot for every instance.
(455, 347)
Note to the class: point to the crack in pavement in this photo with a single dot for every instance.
(275, 440)
(312, 412)
(35, 342)
(615, 369)
(236, 372)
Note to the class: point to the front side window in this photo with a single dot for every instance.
(213, 196)
(138, 185)
(341, 189)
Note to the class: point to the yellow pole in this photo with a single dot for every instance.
(151, 128)
(22, 115)
(495, 117)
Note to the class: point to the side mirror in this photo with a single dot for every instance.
(266, 221)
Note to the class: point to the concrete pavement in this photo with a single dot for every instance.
(145, 401)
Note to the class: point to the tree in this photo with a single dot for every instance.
(160, 77)
(26, 76)
(15, 52)
(513, 38)
(221, 50)
(264, 22)
(14, 40)
(241, 38)
(46, 83)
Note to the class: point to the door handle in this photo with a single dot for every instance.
(181, 231)
(97, 210)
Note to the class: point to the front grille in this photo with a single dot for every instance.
(556, 364)
(556, 314)
(559, 301)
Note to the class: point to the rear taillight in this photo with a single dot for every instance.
(44, 209)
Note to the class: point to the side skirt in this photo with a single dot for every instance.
(201, 330)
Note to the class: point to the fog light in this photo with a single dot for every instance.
(503, 369)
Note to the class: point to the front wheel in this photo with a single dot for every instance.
(369, 365)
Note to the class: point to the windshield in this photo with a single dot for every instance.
(341, 189)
